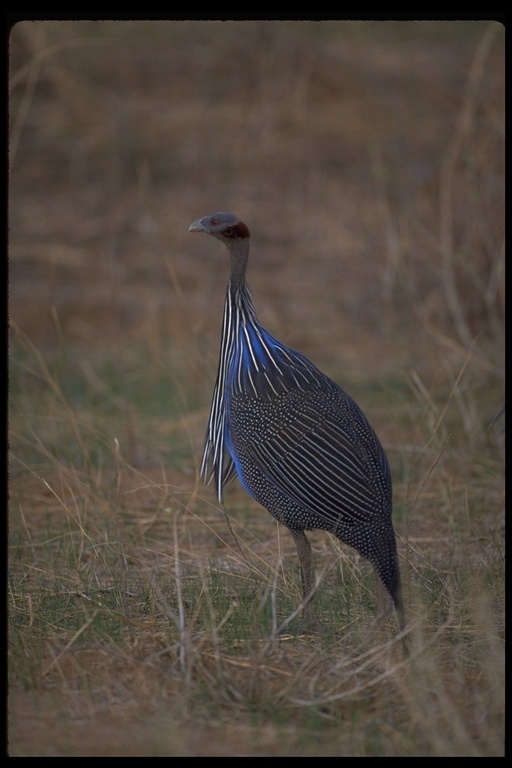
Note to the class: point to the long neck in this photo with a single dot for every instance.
(238, 294)
(239, 253)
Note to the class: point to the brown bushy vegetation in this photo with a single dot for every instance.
(367, 159)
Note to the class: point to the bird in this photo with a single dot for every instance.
(299, 444)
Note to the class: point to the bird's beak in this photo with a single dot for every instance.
(197, 226)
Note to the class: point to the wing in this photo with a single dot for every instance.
(314, 444)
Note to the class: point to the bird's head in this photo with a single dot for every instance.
(224, 226)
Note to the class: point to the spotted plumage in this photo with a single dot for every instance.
(299, 444)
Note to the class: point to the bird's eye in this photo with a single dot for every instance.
(214, 222)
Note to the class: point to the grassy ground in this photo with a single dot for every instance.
(367, 159)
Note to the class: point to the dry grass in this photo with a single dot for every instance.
(367, 159)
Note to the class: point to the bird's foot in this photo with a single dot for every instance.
(310, 624)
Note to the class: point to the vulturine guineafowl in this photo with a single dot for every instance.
(299, 444)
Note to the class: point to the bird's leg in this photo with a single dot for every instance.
(309, 620)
